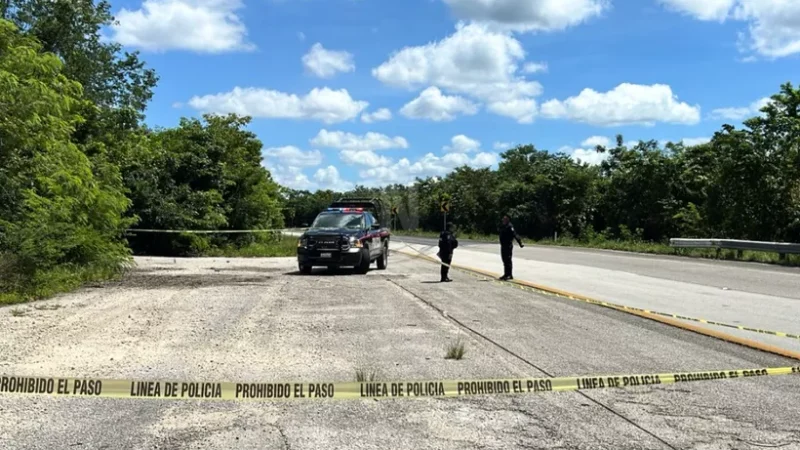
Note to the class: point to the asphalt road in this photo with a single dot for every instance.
(748, 294)
(257, 320)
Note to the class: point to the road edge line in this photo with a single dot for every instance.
(667, 321)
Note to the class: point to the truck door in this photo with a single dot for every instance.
(375, 241)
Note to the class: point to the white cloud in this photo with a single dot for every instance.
(627, 104)
(529, 15)
(291, 177)
(327, 63)
(503, 146)
(325, 105)
(474, 61)
(594, 141)
(404, 171)
(462, 144)
(773, 26)
(328, 178)
(533, 67)
(349, 141)
(433, 105)
(364, 158)
(293, 156)
(740, 113)
(690, 142)
(584, 155)
(205, 26)
(382, 114)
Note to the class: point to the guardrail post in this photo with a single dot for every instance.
(782, 256)
(739, 254)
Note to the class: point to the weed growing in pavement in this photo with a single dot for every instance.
(365, 375)
(51, 307)
(456, 351)
(16, 312)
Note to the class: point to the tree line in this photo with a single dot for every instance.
(78, 166)
(743, 184)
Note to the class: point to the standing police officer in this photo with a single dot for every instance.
(507, 237)
(447, 243)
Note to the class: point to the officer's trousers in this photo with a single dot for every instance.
(446, 258)
(506, 252)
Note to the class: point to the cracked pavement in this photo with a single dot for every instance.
(256, 320)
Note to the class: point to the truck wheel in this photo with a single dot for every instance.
(383, 260)
(365, 261)
(305, 270)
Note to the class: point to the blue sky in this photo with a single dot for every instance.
(372, 92)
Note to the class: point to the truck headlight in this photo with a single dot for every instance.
(302, 242)
(355, 242)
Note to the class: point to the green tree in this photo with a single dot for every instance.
(58, 227)
(201, 175)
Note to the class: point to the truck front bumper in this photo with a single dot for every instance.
(332, 258)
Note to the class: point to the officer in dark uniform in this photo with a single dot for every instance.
(447, 243)
(507, 237)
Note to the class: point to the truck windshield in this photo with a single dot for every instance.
(352, 221)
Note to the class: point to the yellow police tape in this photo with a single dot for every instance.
(267, 391)
(609, 304)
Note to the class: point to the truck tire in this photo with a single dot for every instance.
(363, 268)
(305, 270)
(383, 260)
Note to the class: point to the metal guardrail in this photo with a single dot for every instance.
(782, 248)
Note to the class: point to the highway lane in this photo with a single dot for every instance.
(756, 295)
(257, 320)
(766, 279)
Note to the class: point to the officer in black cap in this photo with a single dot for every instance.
(447, 243)
(507, 237)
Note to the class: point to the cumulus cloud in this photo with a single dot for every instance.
(293, 156)
(474, 61)
(380, 115)
(529, 15)
(462, 144)
(329, 178)
(742, 112)
(533, 67)
(204, 26)
(773, 26)
(360, 149)
(594, 141)
(433, 105)
(503, 146)
(584, 155)
(363, 158)
(325, 105)
(690, 142)
(627, 104)
(404, 171)
(291, 177)
(348, 141)
(327, 63)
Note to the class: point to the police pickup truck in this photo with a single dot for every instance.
(344, 236)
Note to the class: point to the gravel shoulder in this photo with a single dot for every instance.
(256, 320)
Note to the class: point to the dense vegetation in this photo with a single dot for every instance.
(78, 167)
